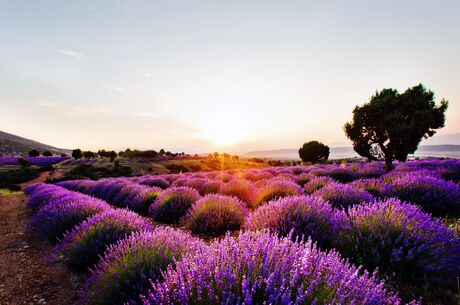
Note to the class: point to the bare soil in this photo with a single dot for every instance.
(26, 277)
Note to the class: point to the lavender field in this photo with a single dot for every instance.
(320, 234)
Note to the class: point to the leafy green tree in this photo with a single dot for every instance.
(34, 153)
(391, 125)
(314, 152)
(23, 163)
(77, 154)
(47, 153)
(89, 154)
(216, 154)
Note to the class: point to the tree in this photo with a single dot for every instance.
(216, 154)
(112, 155)
(89, 154)
(23, 163)
(391, 125)
(314, 152)
(77, 154)
(34, 153)
(47, 153)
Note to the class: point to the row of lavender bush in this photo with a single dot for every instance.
(40, 161)
(133, 263)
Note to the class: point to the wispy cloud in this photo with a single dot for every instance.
(146, 114)
(115, 88)
(45, 103)
(73, 110)
(73, 54)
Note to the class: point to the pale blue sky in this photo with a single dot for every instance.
(206, 75)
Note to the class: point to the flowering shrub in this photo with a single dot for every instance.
(173, 204)
(401, 241)
(316, 183)
(43, 193)
(276, 189)
(136, 197)
(259, 268)
(216, 214)
(302, 216)
(371, 185)
(242, 189)
(125, 270)
(342, 175)
(343, 195)
(436, 196)
(62, 214)
(155, 181)
(82, 246)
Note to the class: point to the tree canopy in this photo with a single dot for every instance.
(314, 152)
(391, 125)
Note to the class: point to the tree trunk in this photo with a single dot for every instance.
(388, 163)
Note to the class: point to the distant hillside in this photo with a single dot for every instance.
(12, 145)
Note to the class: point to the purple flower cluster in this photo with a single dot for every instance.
(82, 246)
(39, 161)
(242, 189)
(436, 196)
(61, 214)
(260, 268)
(173, 204)
(343, 196)
(401, 241)
(216, 214)
(274, 189)
(127, 267)
(301, 216)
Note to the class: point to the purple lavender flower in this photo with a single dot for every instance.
(242, 189)
(260, 268)
(436, 196)
(316, 183)
(216, 214)
(82, 246)
(155, 181)
(276, 189)
(173, 204)
(401, 241)
(302, 216)
(343, 195)
(373, 186)
(62, 214)
(125, 270)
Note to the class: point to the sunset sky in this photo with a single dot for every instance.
(200, 76)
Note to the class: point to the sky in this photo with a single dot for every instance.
(199, 76)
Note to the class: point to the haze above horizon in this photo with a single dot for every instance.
(215, 75)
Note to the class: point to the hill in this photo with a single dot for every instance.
(12, 145)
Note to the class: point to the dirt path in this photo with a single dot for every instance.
(25, 275)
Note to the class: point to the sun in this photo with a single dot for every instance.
(224, 128)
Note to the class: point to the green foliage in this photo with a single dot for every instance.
(11, 179)
(34, 153)
(47, 153)
(314, 152)
(391, 125)
(89, 154)
(88, 171)
(77, 154)
(23, 162)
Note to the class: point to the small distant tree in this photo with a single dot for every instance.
(77, 154)
(391, 125)
(235, 158)
(162, 152)
(112, 155)
(216, 155)
(23, 163)
(63, 155)
(34, 153)
(47, 153)
(89, 154)
(314, 152)
(210, 156)
(226, 156)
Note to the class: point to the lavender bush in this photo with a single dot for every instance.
(173, 204)
(302, 216)
(401, 241)
(259, 268)
(216, 214)
(276, 189)
(126, 268)
(343, 195)
(82, 246)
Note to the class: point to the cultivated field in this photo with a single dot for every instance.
(325, 234)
